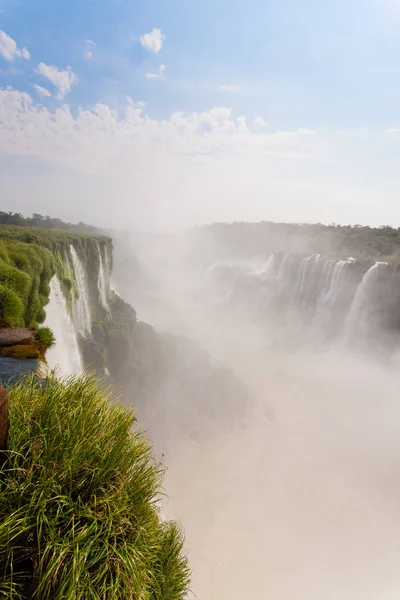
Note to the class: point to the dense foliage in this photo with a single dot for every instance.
(43, 222)
(79, 491)
(45, 336)
(252, 239)
(29, 258)
(25, 273)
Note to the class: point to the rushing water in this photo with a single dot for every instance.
(65, 353)
(318, 298)
(359, 307)
(304, 505)
(102, 279)
(81, 305)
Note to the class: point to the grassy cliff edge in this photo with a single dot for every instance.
(79, 494)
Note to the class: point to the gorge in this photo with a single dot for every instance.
(267, 381)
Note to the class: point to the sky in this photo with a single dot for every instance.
(162, 114)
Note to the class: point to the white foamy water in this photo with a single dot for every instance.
(65, 353)
(102, 280)
(304, 505)
(355, 318)
(81, 307)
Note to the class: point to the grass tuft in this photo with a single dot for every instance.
(45, 336)
(78, 501)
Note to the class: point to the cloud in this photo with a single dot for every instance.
(158, 75)
(228, 88)
(41, 91)
(9, 49)
(153, 41)
(259, 123)
(198, 165)
(131, 102)
(89, 45)
(128, 169)
(63, 80)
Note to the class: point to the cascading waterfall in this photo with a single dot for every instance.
(315, 298)
(356, 317)
(65, 353)
(81, 307)
(333, 283)
(309, 266)
(102, 280)
(332, 293)
(327, 275)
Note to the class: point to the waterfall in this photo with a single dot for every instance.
(359, 307)
(65, 353)
(102, 280)
(284, 266)
(308, 268)
(81, 308)
(311, 298)
(328, 272)
(269, 269)
(331, 294)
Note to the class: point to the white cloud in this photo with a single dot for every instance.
(63, 80)
(128, 169)
(158, 75)
(89, 46)
(41, 91)
(228, 88)
(259, 123)
(199, 164)
(153, 41)
(9, 49)
(131, 102)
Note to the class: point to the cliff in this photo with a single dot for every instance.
(80, 490)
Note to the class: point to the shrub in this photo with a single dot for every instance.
(11, 306)
(26, 269)
(19, 281)
(79, 491)
(45, 336)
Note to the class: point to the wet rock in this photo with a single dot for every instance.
(4, 418)
(24, 351)
(13, 336)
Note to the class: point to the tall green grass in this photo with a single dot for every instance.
(79, 490)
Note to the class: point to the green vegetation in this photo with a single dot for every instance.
(25, 273)
(252, 239)
(35, 350)
(44, 222)
(29, 258)
(45, 336)
(79, 491)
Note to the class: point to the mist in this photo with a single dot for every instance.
(261, 353)
(287, 489)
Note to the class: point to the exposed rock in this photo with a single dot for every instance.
(4, 420)
(24, 351)
(13, 336)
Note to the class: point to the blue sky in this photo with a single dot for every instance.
(331, 69)
(318, 62)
